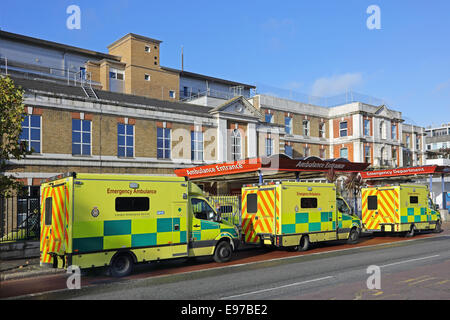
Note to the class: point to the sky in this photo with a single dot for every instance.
(318, 48)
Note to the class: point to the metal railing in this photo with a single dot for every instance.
(229, 208)
(19, 218)
(212, 93)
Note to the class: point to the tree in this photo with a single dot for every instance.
(12, 114)
(332, 177)
(353, 184)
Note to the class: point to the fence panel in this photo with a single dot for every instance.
(229, 208)
(19, 218)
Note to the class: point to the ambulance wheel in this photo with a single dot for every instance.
(410, 233)
(438, 229)
(304, 244)
(121, 265)
(353, 237)
(223, 252)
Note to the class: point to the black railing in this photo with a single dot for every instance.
(19, 218)
(229, 207)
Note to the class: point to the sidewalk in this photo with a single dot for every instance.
(24, 268)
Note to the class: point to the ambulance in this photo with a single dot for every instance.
(295, 214)
(402, 208)
(96, 220)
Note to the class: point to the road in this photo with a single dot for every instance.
(417, 268)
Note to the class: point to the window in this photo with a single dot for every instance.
(147, 49)
(394, 132)
(343, 129)
(343, 153)
(306, 151)
(48, 211)
(185, 91)
(367, 154)
(394, 156)
(305, 127)
(125, 140)
(114, 74)
(202, 210)
(417, 143)
(252, 203)
(408, 141)
(269, 147)
(372, 203)
(322, 130)
(163, 143)
(269, 118)
(382, 130)
(235, 145)
(196, 145)
(147, 77)
(172, 94)
(81, 137)
(366, 127)
(31, 133)
(342, 206)
(288, 150)
(288, 125)
(82, 73)
(132, 204)
(414, 199)
(322, 154)
(308, 203)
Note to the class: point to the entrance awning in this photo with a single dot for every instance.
(277, 166)
(405, 172)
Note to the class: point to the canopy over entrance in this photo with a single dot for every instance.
(274, 167)
(378, 177)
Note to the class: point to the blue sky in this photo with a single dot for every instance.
(313, 47)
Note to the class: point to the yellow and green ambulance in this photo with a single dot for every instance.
(295, 214)
(401, 208)
(95, 220)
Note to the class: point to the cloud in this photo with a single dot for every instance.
(336, 84)
(441, 86)
(279, 25)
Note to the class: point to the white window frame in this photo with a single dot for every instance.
(164, 138)
(341, 130)
(172, 94)
(195, 152)
(236, 145)
(322, 130)
(306, 125)
(125, 135)
(28, 128)
(269, 147)
(81, 131)
(366, 127)
(149, 77)
(340, 153)
(288, 125)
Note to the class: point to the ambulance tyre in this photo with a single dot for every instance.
(353, 236)
(223, 252)
(121, 265)
(304, 243)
